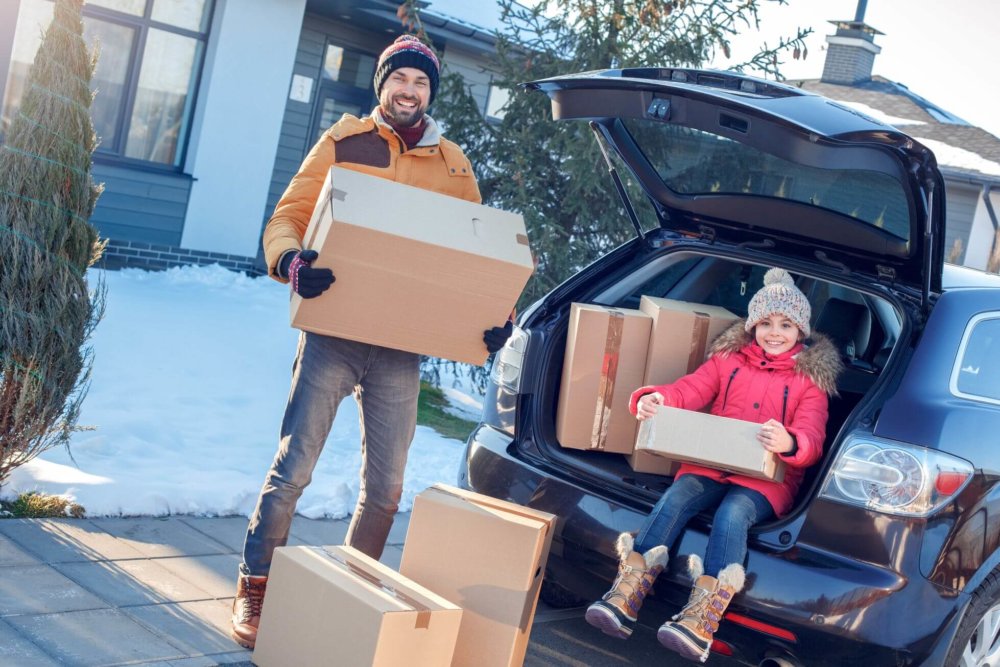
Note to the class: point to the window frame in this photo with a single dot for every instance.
(970, 327)
(141, 25)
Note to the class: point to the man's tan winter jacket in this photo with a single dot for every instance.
(370, 146)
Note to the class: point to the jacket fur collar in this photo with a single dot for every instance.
(819, 360)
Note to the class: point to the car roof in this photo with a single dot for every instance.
(830, 153)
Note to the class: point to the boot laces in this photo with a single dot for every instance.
(252, 596)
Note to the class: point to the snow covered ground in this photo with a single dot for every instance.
(191, 373)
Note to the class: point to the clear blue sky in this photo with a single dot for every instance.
(944, 52)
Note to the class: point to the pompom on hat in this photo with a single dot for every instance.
(779, 295)
(407, 51)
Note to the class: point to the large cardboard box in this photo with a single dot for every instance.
(336, 606)
(486, 555)
(679, 339)
(604, 363)
(717, 442)
(680, 336)
(416, 270)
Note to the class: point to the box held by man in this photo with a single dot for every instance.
(416, 270)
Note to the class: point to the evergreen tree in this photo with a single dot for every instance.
(553, 172)
(46, 245)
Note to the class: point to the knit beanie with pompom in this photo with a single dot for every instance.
(779, 295)
(407, 51)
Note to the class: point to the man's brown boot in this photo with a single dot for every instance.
(616, 613)
(692, 630)
(246, 609)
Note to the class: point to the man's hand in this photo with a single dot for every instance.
(497, 336)
(306, 281)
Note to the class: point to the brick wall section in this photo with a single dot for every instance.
(847, 65)
(152, 257)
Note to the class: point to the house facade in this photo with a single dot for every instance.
(205, 108)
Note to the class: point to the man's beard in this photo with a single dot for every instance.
(405, 118)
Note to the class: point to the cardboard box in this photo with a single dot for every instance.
(416, 270)
(604, 363)
(643, 460)
(335, 605)
(680, 336)
(486, 555)
(717, 442)
(679, 339)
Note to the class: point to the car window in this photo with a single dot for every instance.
(694, 162)
(977, 371)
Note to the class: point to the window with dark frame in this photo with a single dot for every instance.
(151, 55)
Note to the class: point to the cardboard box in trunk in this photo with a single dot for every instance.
(416, 270)
(604, 363)
(486, 555)
(680, 336)
(335, 605)
(716, 442)
(679, 339)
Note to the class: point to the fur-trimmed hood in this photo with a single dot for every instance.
(818, 360)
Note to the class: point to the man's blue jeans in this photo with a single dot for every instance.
(738, 509)
(385, 383)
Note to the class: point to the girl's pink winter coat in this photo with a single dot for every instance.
(740, 381)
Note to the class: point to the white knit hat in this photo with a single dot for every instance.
(779, 295)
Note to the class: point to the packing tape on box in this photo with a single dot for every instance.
(609, 370)
(423, 611)
(699, 341)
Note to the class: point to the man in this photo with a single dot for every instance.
(398, 141)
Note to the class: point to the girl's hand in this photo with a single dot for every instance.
(774, 438)
(648, 405)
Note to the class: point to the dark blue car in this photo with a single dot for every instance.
(890, 556)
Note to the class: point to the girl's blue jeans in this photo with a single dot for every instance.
(738, 509)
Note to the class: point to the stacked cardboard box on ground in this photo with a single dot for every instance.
(487, 556)
(416, 270)
(611, 352)
(336, 606)
(465, 595)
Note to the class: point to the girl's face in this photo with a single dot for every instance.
(776, 334)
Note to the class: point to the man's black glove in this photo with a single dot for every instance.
(306, 281)
(497, 336)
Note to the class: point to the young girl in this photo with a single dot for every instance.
(759, 370)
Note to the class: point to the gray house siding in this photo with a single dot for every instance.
(473, 69)
(961, 201)
(141, 205)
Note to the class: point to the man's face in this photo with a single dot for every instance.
(405, 96)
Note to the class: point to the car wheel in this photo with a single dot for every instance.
(558, 596)
(977, 642)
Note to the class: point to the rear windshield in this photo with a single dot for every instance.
(694, 162)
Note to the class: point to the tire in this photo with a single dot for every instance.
(977, 642)
(558, 596)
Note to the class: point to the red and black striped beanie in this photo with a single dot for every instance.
(407, 51)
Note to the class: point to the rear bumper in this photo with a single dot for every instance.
(839, 609)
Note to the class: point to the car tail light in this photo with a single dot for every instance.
(506, 370)
(894, 477)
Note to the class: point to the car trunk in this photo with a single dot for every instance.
(864, 326)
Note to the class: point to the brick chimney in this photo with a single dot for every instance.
(851, 51)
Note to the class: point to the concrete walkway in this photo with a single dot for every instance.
(148, 591)
(142, 591)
